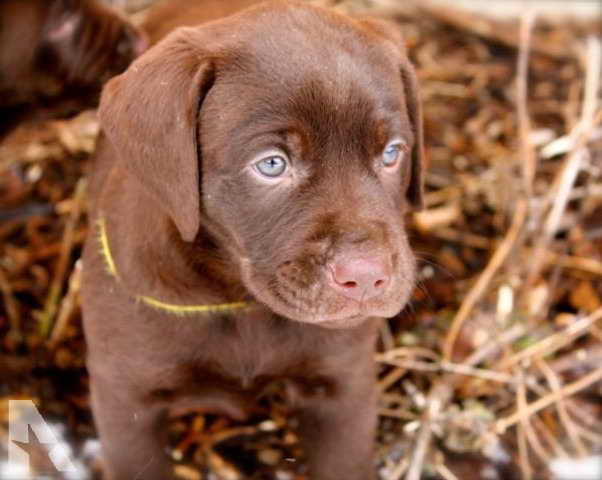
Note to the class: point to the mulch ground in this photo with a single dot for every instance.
(491, 372)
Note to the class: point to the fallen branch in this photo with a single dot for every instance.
(437, 400)
(68, 305)
(46, 318)
(503, 32)
(443, 366)
(555, 341)
(503, 424)
(486, 277)
(569, 426)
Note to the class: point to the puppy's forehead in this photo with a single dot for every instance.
(321, 68)
(280, 41)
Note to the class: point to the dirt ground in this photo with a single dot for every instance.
(494, 369)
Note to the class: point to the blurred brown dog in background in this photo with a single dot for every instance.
(56, 55)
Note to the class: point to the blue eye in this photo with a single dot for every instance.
(272, 166)
(392, 154)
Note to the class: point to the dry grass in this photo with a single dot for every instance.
(495, 364)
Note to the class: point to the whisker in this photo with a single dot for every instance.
(448, 273)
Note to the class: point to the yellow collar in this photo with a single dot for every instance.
(180, 310)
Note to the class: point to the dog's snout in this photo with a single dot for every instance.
(360, 278)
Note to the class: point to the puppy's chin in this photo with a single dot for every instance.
(349, 317)
(342, 323)
(336, 312)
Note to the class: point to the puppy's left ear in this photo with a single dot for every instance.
(391, 32)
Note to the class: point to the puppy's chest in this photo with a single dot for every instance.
(252, 357)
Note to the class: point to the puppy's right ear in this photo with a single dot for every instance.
(392, 33)
(150, 115)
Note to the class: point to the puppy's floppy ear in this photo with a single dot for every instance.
(392, 32)
(150, 114)
(415, 191)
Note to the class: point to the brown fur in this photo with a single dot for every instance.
(55, 55)
(167, 15)
(190, 222)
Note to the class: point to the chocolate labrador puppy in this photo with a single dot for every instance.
(56, 55)
(247, 207)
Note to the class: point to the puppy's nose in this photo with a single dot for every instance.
(360, 278)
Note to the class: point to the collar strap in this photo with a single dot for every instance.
(180, 310)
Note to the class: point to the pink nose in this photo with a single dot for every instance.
(360, 278)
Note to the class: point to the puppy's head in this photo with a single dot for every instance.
(294, 136)
(82, 44)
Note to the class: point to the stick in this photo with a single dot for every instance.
(582, 132)
(47, 316)
(489, 29)
(527, 152)
(570, 389)
(456, 368)
(437, 399)
(10, 305)
(399, 470)
(569, 426)
(555, 341)
(490, 348)
(67, 306)
(484, 280)
(532, 439)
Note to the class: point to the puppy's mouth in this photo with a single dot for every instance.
(311, 300)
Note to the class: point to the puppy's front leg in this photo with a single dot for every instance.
(337, 432)
(132, 443)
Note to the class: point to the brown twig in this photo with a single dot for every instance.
(504, 423)
(491, 348)
(555, 341)
(550, 438)
(10, 304)
(568, 174)
(532, 438)
(438, 397)
(486, 277)
(521, 436)
(589, 265)
(409, 352)
(399, 470)
(391, 378)
(68, 305)
(443, 366)
(583, 415)
(588, 356)
(466, 238)
(505, 33)
(556, 386)
(527, 152)
(396, 413)
(442, 469)
(47, 316)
